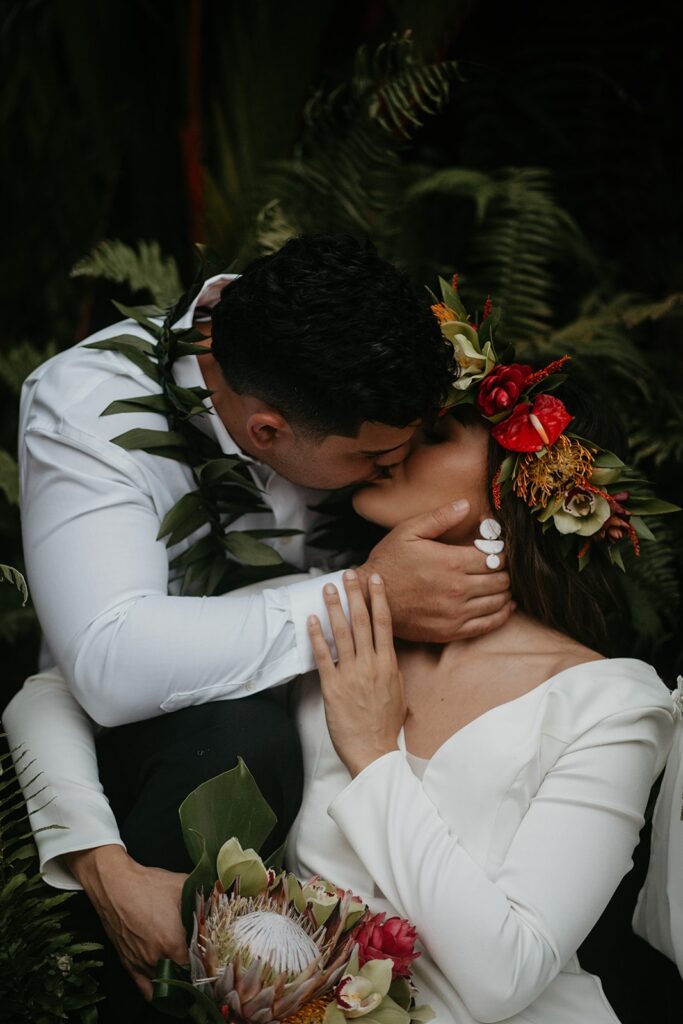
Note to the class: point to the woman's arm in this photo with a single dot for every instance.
(500, 940)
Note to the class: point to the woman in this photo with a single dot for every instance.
(490, 790)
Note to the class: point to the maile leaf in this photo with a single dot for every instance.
(249, 550)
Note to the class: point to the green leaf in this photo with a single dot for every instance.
(135, 313)
(139, 439)
(170, 999)
(506, 468)
(452, 300)
(143, 403)
(388, 1012)
(228, 805)
(276, 858)
(642, 529)
(124, 343)
(243, 546)
(176, 518)
(650, 507)
(422, 1014)
(615, 557)
(202, 877)
(401, 993)
(202, 1010)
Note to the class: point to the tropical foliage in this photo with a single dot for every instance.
(44, 973)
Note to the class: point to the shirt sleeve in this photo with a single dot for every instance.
(99, 581)
(51, 736)
(501, 940)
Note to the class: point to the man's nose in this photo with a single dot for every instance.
(394, 458)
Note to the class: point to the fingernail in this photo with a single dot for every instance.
(461, 505)
(329, 589)
(376, 579)
(350, 575)
(312, 620)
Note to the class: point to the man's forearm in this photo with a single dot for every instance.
(46, 722)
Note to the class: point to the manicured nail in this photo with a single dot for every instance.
(312, 620)
(461, 505)
(350, 575)
(330, 589)
(376, 579)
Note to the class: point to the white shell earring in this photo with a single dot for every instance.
(490, 544)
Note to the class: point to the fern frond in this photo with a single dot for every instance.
(344, 174)
(652, 590)
(147, 268)
(521, 234)
(44, 972)
(17, 362)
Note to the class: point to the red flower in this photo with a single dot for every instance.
(532, 427)
(387, 940)
(500, 391)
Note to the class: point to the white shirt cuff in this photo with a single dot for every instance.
(306, 599)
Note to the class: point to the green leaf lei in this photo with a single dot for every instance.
(221, 559)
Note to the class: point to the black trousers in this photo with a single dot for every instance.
(148, 768)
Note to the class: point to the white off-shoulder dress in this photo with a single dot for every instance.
(507, 849)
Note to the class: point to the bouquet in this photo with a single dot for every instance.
(266, 948)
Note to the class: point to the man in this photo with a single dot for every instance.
(322, 363)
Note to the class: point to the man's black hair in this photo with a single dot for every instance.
(331, 335)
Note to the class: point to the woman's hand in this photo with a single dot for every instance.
(363, 692)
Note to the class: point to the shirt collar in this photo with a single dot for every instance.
(208, 296)
(187, 373)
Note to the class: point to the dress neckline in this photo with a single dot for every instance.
(541, 687)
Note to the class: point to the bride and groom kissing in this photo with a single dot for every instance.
(467, 761)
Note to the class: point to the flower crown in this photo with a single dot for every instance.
(587, 494)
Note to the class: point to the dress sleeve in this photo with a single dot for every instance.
(98, 577)
(48, 729)
(501, 940)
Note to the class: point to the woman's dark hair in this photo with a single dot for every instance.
(546, 585)
(331, 335)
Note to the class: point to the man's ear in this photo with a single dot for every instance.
(266, 428)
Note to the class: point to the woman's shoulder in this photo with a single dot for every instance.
(586, 693)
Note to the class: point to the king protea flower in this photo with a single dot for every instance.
(260, 959)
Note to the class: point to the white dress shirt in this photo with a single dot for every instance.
(128, 645)
(507, 850)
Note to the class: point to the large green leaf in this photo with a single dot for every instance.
(250, 550)
(228, 805)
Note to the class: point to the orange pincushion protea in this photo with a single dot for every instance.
(565, 463)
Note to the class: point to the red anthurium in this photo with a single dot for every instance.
(533, 426)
